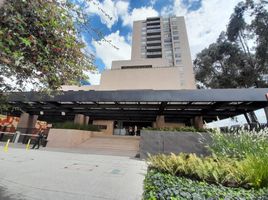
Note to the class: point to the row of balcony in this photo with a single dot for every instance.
(154, 53)
(153, 30)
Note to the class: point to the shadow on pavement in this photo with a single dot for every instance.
(5, 196)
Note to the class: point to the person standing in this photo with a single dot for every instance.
(135, 130)
(38, 140)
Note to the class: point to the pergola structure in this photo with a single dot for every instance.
(140, 105)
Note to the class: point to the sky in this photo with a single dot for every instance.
(205, 20)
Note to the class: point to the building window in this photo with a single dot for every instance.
(174, 23)
(168, 45)
(167, 35)
(176, 38)
(174, 28)
(177, 49)
(167, 40)
(175, 32)
(178, 61)
(176, 44)
(177, 55)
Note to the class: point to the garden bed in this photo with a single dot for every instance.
(164, 186)
(237, 169)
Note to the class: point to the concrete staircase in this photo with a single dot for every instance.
(111, 145)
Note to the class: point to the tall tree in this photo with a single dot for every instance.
(231, 61)
(224, 65)
(39, 45)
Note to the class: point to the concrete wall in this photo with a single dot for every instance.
(186, 67)
(151, 78)
(136, 40)
(155, 142)
(66, 138)
(110, 126)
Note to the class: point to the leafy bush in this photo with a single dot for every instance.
(251, 147)
(71, 125)
(211, 169)
(161, 186)
(240, 144)
(180, 129)
(255, 169)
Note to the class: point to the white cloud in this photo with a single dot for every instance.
(119, 9)
(94, 77)
(138, 14)
(205, 24)
(108, 53)
(108, 10)
(166, 11)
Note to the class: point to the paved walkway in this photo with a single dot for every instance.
(48, 175)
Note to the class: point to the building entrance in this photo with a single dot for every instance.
(130, 128)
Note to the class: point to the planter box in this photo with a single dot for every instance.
(155, 142)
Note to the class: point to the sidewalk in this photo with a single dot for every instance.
(45, 175)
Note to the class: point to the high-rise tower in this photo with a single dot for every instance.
(160, 59)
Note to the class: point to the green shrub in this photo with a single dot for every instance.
(71, 125)
(255, 169)
(162, 186)
(250, 147)
(223, 171)
(240, 144)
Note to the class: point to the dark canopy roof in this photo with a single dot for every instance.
(142, 105)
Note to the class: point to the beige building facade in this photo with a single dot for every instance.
(160, 59)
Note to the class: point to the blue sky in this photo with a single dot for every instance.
(205, 19)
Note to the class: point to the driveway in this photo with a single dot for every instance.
(45, 175)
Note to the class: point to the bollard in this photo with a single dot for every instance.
(28, 144)
(6, 146)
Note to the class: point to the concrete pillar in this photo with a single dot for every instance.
(23, 122)
(160, 121)
(109, 124)
(198, 122)
(86, 120)
(32, 121)
(79, 119)
(26, 125)
(27, 121)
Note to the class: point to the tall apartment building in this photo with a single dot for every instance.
(160, 58)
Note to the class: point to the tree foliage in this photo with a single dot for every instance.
(231, 61)
(39, 45)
